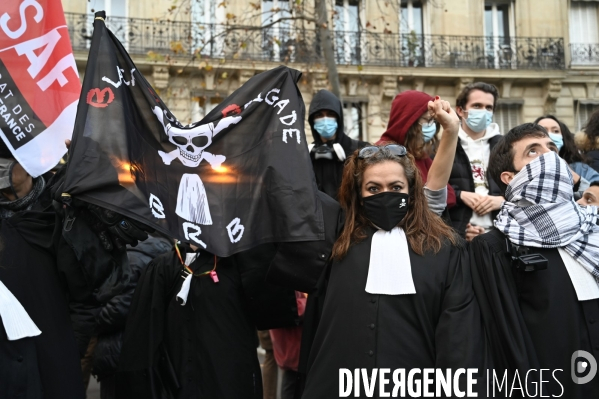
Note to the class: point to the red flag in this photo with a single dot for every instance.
(39, 82)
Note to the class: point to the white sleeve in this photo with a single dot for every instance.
(437, 199)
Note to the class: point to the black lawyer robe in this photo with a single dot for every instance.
(46, 366)
(438, 327)
(206, 348)
(534, 319)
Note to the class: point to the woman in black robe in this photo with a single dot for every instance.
(47, 365)
(367, 323)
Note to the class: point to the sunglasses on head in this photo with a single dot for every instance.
(394, 149)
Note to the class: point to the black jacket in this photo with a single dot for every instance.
(112, 317)
(594, 159)
(48, 365)
(533, 320)
(328, 172)
(207, 348)
(54, 274)
(461, 180)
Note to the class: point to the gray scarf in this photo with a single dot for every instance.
(9, 208)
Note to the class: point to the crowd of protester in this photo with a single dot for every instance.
(425, 263)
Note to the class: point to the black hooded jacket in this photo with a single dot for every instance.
(110, 321)
(328, 172)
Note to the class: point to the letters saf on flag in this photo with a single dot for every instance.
(238, 178)
(39, 83)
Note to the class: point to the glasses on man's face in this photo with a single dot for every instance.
(394, 149)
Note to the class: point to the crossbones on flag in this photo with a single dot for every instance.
(238, 178)
(39, 83)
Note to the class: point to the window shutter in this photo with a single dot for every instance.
(507, 116)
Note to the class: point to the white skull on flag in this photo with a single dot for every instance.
(191, 143)
(192, 201)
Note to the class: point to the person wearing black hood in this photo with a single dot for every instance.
(48, 278)
(331, 145)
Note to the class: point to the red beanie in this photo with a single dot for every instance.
(405, 111)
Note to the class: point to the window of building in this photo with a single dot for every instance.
(353, 121)
(499, 29)
(507, 116)
(583, 111)
(206, 34)
(346, 23)
(411, 18)
(411, 32)
(113, 8)
(116, 13)
(584, 31)
(277, 38)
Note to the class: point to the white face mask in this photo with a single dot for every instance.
(326, 126)
(479, 119)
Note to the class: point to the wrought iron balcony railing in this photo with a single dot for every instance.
(287, 44)
(584, 53)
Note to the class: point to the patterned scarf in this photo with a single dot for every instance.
(9, 208)
(540, 211)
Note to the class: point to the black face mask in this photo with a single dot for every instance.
(386, 210)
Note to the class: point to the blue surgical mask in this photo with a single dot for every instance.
(326, 127)
(479, 119)
(428, 131)
(558, 139)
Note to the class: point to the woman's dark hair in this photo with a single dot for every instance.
(415, 142)
(568, 152)
(592, 127)
(424, 229)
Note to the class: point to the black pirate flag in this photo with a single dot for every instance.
(238, 178)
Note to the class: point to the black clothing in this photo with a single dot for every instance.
(461, 180)
(46, 366)
(328, 172)
(207, 348)
(91, 275)
(112, 317)
(288, 385)
(534, 319)
(288, 270)
(593, 157)
(53, 272)
(438, 327)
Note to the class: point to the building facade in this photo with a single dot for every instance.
(543, 55)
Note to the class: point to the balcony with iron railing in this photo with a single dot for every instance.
(584, 54)
(161, 38)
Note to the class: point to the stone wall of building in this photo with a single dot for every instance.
(187, 85)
